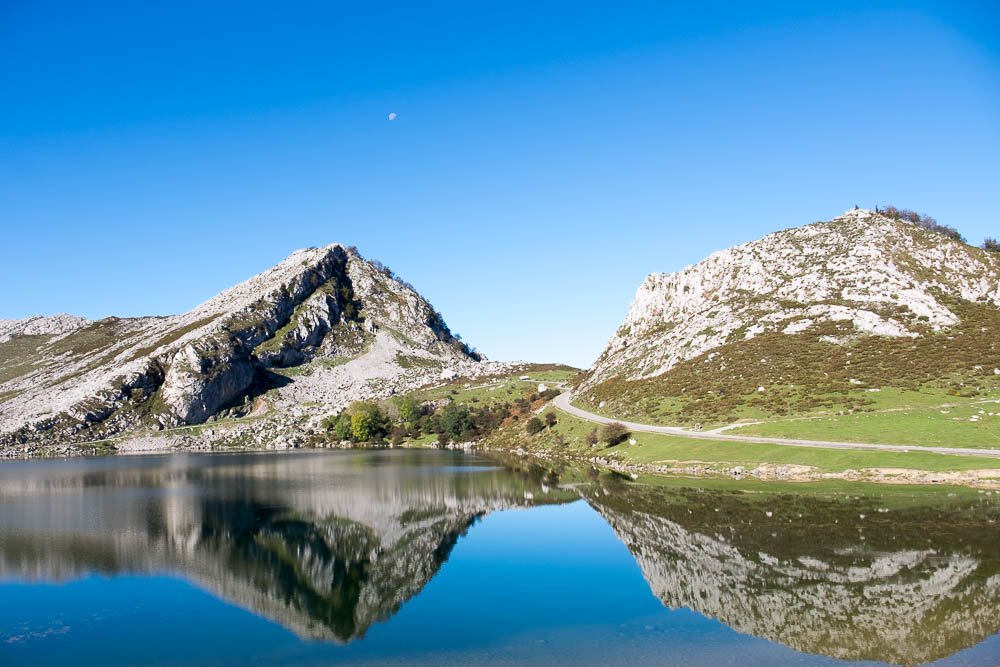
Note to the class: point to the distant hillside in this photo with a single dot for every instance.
(324, 326)
(808, 317)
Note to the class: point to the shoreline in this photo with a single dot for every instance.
(982, 479)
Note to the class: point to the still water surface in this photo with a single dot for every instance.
(384, 557)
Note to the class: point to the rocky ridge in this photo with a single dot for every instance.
(870, 274)
(325, 326)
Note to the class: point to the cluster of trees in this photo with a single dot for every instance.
(611, 434)
(991, 244)
(405, 418)
(440, 328)
(922, 221)
(535, 425)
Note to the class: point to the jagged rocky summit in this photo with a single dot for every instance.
(816, 288)
(324, 327)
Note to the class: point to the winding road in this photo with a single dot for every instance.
(562, 402)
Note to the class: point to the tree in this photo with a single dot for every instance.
(456, 421)
(366, 422)
(550, 419)
(409, 409)
(342, 427)
(991, 244)
(592, 438)
(533, 426)
(399, 434)
(614, 433)
(362, 426)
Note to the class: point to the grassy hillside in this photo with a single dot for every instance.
(569, 438)
(778, 376)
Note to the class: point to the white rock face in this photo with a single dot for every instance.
(67, 379)
(874, 272)
(41, 326)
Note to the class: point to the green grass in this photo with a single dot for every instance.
(928, 418)
(931, 415)
(20, 356)
(425, 440)
(804, 374)
(277, 341)
(651, 448)
(7, 395)
(408, 361)
(310, 367)
(498, 389)
(171, 337)
(894, 496)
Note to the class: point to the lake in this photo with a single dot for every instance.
(425, 556)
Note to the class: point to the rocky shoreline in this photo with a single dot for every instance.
(227, 439)
(986, 479)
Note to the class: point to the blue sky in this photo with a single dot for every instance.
(545, 158)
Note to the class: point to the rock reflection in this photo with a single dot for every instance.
(324, 545)
(897, 578)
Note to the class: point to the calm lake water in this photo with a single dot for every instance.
(384, 557)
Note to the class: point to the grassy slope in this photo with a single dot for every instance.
(901, 417)
(651, 448)
(569, 434)
(804, 375)
(499, 389)
(929, 416)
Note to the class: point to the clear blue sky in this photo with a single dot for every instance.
(546, 156)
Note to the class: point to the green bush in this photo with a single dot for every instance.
(409, 410)
(342, 427)
(614, 433)
(367, 422)
(456, 421)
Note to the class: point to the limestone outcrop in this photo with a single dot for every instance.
(347, 327)
(871, 274)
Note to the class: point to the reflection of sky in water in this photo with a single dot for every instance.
(550, 583)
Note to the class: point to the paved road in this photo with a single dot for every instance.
(562, 401)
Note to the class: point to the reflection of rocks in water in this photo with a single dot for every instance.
(904, 586)
(322, 577)
(324, 545)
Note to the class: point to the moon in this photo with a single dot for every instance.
(392, 116)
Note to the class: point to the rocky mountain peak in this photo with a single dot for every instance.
(349, 327)
(869, 273)
(38, 325)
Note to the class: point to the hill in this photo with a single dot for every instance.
(815, 319)
(323, 327)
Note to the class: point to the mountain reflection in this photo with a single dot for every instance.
(899, 578)
(324, 545)
(328, 544)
